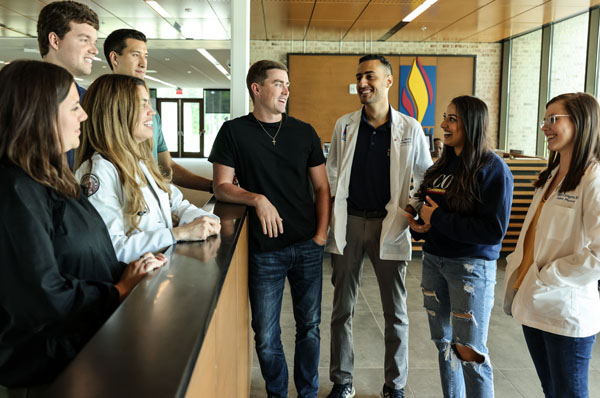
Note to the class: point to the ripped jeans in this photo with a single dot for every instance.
(458, 295)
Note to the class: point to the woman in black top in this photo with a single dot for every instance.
(59, 276)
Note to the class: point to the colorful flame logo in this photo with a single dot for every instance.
(420, 92)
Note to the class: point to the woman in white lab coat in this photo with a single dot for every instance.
(550, 283)
(141, 209)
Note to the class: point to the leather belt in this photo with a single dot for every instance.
(367, 213)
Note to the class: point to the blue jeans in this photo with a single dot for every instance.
(302, 264)
(562, 363)
(458, 294)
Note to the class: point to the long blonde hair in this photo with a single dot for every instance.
(113, 107)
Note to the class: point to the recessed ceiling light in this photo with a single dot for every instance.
(31, 50)
(189, 71)
(419, 10)
(167, 59)
(160, 81)
(158, 8)
(214, 61)
(97, 59)
(150, 71)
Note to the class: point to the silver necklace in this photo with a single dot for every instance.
(272, 137)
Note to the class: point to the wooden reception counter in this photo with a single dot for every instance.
(184, 330)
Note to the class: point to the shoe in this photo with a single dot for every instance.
(391, 393)
(342, 391)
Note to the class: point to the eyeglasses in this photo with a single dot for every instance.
(550, 120)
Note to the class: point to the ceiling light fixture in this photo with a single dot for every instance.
(214, 61)
(31, 50)
(419, 10)
(158, 8)
(415, 13)
(160, 81)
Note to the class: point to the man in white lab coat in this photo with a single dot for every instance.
(374, 152)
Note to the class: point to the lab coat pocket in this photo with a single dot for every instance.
(555, 302)
(560, 221)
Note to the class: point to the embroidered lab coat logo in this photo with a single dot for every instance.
(90, 184)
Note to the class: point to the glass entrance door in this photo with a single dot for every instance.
(182, 125)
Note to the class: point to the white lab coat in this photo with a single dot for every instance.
(409, 156)
(560, 291)
(155, 228)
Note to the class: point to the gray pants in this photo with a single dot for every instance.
(363, 235)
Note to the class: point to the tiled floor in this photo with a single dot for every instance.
(514, 375)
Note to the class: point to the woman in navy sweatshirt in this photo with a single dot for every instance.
(467, 197)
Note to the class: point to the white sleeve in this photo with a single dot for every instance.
(422, 162)
(332, 158)
(184, 210)
(108, 199)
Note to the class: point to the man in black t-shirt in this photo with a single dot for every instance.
(276, 158)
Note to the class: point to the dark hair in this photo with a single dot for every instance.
(258, 73)
(117, 42)
(585, 115)
(29, 102)
(55, 17)
(463, 192)
(376, 57)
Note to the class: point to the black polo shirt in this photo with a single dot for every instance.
(370, 177)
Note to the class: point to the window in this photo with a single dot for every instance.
(569, 54)
(524, 92)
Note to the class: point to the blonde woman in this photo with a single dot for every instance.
(141, 209)
(551, 280)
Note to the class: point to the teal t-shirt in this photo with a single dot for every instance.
(159, 140)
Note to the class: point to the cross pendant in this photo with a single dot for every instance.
(273, 141)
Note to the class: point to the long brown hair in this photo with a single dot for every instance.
(463, 193)
(114, 108)
(29, 101)
(585, 114)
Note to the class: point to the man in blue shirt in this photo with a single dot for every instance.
(126, 53)
(67, 35)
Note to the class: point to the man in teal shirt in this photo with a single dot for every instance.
(126, 54)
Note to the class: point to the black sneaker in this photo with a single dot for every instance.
(342, 391)
(391, 393)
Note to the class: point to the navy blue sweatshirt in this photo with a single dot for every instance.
(476, 235)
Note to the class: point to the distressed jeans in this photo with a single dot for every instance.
(302, 264)
(458, 294)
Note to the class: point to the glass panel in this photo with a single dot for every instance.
(216, 105)
(569, 50)
(168, 116)
(191, 127)
(524, 92)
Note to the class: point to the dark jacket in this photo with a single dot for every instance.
(57, 277)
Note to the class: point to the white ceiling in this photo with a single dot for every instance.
(172, 41)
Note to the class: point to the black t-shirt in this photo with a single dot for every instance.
(280, 172)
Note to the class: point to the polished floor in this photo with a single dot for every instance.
(514, 375)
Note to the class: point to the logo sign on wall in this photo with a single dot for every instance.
(417, 94)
